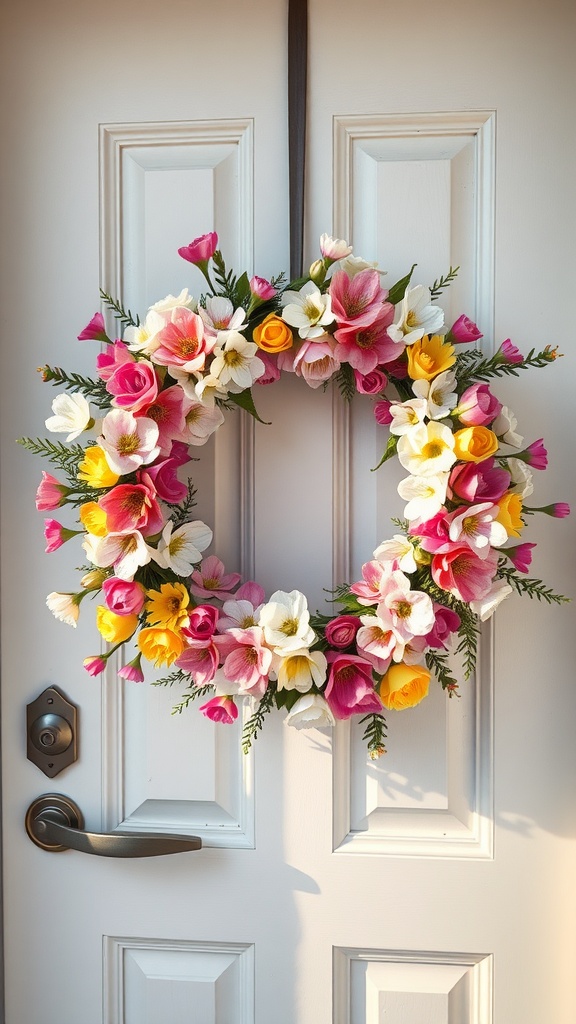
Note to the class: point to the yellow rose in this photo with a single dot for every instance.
(161, 646)
(273, 334)
(510, 514)
(475, 444)
(429, 357)
(115, 629)
(403, 686)
(93, 519)
(94, 468)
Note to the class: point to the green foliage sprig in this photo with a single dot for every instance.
(443, 282)
(256, 721)
(121, 314)
(526, 585)
(95, 390)
(374, 734)
(473, 366)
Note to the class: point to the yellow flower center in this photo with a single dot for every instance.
(211, 583)
(433, 450)
(312, 310)
(470, 525)
(411, 319)
(403, 609)
(232, 357)
(187, 347)
(128, 444)
(289, 627)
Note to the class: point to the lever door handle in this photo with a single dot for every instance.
(55, 823)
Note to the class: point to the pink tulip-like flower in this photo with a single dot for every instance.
(558, 510)
(520, 556)
(179, 453)
(341, 631)
(133, 385)
(210, 579)
(250, 591)
(482, 481)
(535, 455)
(508, 353)
(162, 478)
(132, 671)
(477, 406)
(114, 355)
(220, 709)
(123, 597)
(446, 622)
(315, 362)
(434, 532)
(333, 249)
(261, 289)
(271, 369)
(50, 494)
(200, 660)
(95, 665)
(382, 413)
(56, 535)
(460, 572)
(95, 330)
(249, 663)
(203, 620)
(201, 249)
(130, 507)
(357, 302)
(182, 342)
(350, 689)
(372, 383)
(463, 331)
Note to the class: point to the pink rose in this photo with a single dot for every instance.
(445, 624)
(134, 386)
(202, 624)
(478, 406)
(370, 383)
(463, 331)
(478, 482)
(341, 631)
(201, 249)
(350, 690)
(163, 479)
(220, 709)
(124, 597)
(113, 357)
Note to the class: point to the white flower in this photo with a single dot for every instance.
(417, 316)
(476, 526)
(128, 441)
(144, 337)
(127, 552)
(310, 712)
(208, 389)
(425, 495)
(504, 427)
(308, 310)
(399, 550)
(301, 669)
(334, 248)
(406, 415)
(201, 422)
(355, 265)
(71, 415)
(235, 362)
(408, 612)
(427, 450)
(285, 621)
(487, 605)
(174, 302)
(64, 607)
(522, 477)
(380, 639)
(440, 397)
(180, 550)
(220, 315)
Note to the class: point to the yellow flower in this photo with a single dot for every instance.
(93, 519)
(475, 444)
(94, 469)
(403, 686)
(510, 514)
(161, 646)
(115, 629)
(429, 357)
(167, 606)
(273, 334)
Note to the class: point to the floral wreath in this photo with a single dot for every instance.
(166, 384)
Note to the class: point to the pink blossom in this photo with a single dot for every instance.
(315, 361)
(132, 671)
(333, 249)
(460, 572)
(130, 507)
(182, 342)
(508, 353)
(357, 302)
(203, 620)
(249, 663)
(379, 641)
(520, 556)
(168, 410)
(124, 597)
(162, 478)
(261, 289)
(271, 369)
(373, 585)
(382, 413)
(367, 347)
(210, 580)
(341, 631)
(482, 481)
(95, 330)
(50, 494)
(398, 369)
(535, 455)
(56, 535)
(478, 406)
(372, 383)
(558, 510)
(134, 385)
(201, 249)
(434, 532)
(95, 665)
(463, 331)
(350, 688)
(128, 442)
(250, 591)
(113, 356)
(200, 660)
(220, 709)
(446, 622)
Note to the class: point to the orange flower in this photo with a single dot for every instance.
(475, 444)
(93, 518)
(162, 646)
(429, 357)
(403, 686)
(273, 335)
(510, 514)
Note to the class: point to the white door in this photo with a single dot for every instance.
(434, 886)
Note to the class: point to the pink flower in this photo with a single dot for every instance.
(163, 479)
(520, 556)
(134, 385)
(558, 510)
(113, 356)
(271, 370)
(182, 342)
(508, 353)
(201, 249)
(261, 289)
(179, 453)
(463, 331)
(535, 455)
(434, 532)
(370, 383)
(341, 631)
(124, 597)
(202, 623)
(56, 535)
(128, 442)
(200, 660)
(250, 591)
(357, 302)
(368, 346)
(94, 665)
(132, 671)
(460, 572)
(478, 406)
(220, 709)
(95, 330)
(482, 481)
(382, 413)
(130, 507)
(446, 623)
(168, 411)
(350, 688)
(315, 362)
(249, 663)
(51, 493)
(210, 581)
(373, 585)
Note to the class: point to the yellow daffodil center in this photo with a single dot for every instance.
(128, 444)
(433, 450)
(312, 310)
(232, 357)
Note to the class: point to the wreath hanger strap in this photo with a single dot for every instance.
(297, 75)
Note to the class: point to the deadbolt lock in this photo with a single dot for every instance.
(51, 722)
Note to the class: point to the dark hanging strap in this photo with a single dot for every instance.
(297, 70)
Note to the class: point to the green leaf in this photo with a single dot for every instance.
(389, 451)
(397, 292)
(245, 401)
(242, 288)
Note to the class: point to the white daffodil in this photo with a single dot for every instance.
(174, 302)
(64, 607)
(308, 310)
(406, 415)
(504, 426)
(399, 550)
(440, 398)
(300, 670)
(285, 620)
(207, 389)
(427, 450)
(522, 477)
(310, 711)
(71, 416)
(417, 316)
(487, 605)
(425, 495)
(235, 362)
(127, 552)
(181, 549)
(144, 337)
